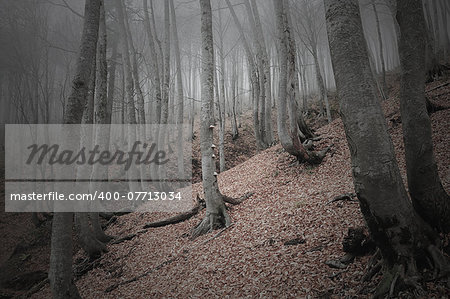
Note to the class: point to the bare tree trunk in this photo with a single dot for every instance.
(154, 64)
(427, 193)
(60, 273)
(102, 117)
(221, 98)
(380, 41)
(289, 138)
(88, 241)
(400, 234)
(266, 116)
(216, 213)
(260, 100)
(234, 94)
(444, 13)
(254, 82)
(133, 172)
(322, 91)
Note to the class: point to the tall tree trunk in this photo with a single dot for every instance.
(216, 213)
(60, 273)
(133, 173)
(286, 106)
(400, 234)
(154, 64)
(102, 117)
(234, 94)
(253, 76)
(88, 241)
(427, 193)
(293, 85)
(266, 116)
(180, 99)
(323, 95)
(221, 99)
(380, 42)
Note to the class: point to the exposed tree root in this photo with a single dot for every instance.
(125, 238)
(199, 205)
(405, 274)
(345, 196)
(313, 157)
(213, 221)
(437, 87)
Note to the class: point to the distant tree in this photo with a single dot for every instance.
(60, 273)
(403, 238)
(427, 193)
(216, 212)
(133, 172)
(254, 79)
(287, 111)
(309, 27)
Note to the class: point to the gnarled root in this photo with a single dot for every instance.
(405, 274)
(212, 221)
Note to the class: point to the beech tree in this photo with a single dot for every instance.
(288, 117)
(60, 273)
(427, 193)
(403, 238)
(216, 213)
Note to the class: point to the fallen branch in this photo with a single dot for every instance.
(345, 196)
(123, 239)
(200, 204)
(437, 87)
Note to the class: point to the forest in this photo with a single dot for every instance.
(225, 148)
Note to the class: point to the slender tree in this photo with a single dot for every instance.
(290, 136)
(381, 49)
(180, 96)
(427, 193)
(216, 213)
(60, 273)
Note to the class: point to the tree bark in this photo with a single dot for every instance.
(427, 193)
(180, 96)
(60, 273)
(254, 81)
(286, 102)
(216, 213)
(380, 41)
(402, 236)
(133, 172)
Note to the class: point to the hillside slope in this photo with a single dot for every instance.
(250, 258)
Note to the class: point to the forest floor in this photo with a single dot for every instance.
(251, 258)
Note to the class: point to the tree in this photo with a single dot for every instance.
(216, 213)
(309, 27)
(180, 100)
(427, 193)
(402, 237)
(254, 79)
(380, 41)
(290, 138)
(133, 172)
(60, 273)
